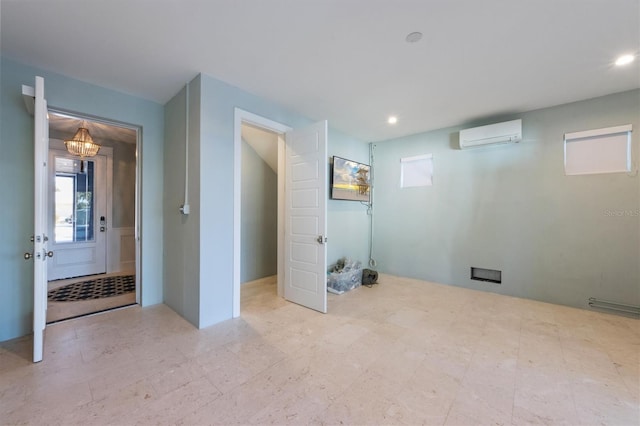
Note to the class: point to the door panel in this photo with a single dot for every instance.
(77, 205)
(305, 216)
(40, 240)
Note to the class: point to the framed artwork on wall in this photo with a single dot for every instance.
(350, 180)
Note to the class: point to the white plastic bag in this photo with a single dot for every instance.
(345, 275)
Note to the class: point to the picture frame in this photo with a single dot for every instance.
(350, 180)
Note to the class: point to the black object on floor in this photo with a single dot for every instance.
(97, 288)
(369, 277)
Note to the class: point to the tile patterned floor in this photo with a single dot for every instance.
(402, 352)
(57, 311)
(93, 288)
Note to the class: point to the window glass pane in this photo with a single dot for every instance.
(74, 200)
(64, 194)
(84, 204)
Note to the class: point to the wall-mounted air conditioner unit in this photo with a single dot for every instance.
(507, 132)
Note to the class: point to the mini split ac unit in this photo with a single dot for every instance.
(507, 132)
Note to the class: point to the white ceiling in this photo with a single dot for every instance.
(63, 126)
(342, 60)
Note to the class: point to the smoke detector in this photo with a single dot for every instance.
(413, 37)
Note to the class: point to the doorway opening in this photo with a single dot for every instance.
(259, 231)
(91, 217)
(259, 143)
(301, 245)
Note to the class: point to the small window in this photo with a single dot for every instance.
(598, 151)
(416, 171)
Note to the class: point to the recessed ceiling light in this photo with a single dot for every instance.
(624, 60)
(414, 37)
(392, 119)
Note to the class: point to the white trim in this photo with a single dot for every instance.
(138, 216)
(416, 158)
(41, 155)
(29, 97)
(242, 116)
(598, 132)
(281, 207)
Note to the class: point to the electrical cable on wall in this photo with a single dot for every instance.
(185, 207)
(372, 147)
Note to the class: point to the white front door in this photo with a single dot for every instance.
(305, 216)
(77, 215)
(40, 238)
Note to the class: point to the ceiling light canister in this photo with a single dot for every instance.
(414, 37)
(624, 60)
(392, 120)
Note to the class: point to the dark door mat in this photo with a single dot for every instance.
(94, 289)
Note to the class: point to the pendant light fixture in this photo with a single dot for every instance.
(82, 144)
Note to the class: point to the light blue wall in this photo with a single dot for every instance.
(347, 221)
(259, 239)
(512, 208)
(181, 232)
(217, 143)
(16, 172)
(210, 242)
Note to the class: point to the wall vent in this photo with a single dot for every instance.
(488, 275)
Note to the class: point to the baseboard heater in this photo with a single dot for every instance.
(614, 306)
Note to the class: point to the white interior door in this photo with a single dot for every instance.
(40, 240)
(77, 215)
(306, 216)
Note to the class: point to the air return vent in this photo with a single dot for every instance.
(488, 275)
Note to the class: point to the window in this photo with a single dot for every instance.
(73, 201)
(416, 171)
(598, 151)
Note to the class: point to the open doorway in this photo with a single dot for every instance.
(259, 214)
(301, 244)
(254, 134)
(91, 219)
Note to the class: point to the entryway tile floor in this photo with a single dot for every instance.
(57, 311)
(403, 352)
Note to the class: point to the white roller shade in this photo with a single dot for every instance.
(597, 151)
(416, 171)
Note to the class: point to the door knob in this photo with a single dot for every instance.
(28, 256)
(49, 254)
